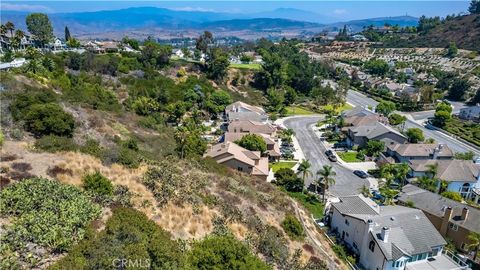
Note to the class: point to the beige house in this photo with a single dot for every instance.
(239, 158)
(454, 220)
(418, 151)
(273, 150)
(243, 111)
(360, 135)
(249, 126)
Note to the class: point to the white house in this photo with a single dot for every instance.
(178, 53)
(57, 44)
(389, 237)
(470, 113)
(462, 176)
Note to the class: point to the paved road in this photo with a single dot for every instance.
(359, 99)
(346, 182)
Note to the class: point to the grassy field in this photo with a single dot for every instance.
(246, 66)
(297, 110)
(281, 165)
(313, 205)
(349, 156)
(344, 107)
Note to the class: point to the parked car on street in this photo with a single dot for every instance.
(360, 174)
(332, 158)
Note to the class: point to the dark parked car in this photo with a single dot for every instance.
(340, 145)
(360, 174)
(329, 152)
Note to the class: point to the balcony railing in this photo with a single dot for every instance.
(461, 264)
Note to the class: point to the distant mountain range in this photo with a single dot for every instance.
(144, 19)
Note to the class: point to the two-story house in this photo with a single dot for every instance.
(243, 111)
(273, 149)
(462, 176)
(360, 135)
(389, 237)
(240, 159)
(454, 220)
(418, 151)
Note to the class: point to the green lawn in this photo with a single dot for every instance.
(246, 66)
(339, 109)
(297, 110)
(281, 165)
(313, 205)
(349, 156)
(468, 131)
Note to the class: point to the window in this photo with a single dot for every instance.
(355, 245)
(346, 222)
(371, 246)
(453, 226)
(240, 169)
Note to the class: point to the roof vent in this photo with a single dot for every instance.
(392, 218)
(417, 217)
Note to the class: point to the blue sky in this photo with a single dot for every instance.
(341, 10)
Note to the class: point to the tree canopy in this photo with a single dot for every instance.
(39, 25)
(253, 142)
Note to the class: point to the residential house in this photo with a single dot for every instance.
(360, 135)
(178, 53)
(418, 151)
(248, 126)
(470, 113)
(57, 45)
(243, 111)
(454, 220)
(388, 237)
(462, 176)
(239, 158)
(273, 150)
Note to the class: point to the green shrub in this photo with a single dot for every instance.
(128, 157)
(93, 148)
(127, 234)
(22, 102)
(452, 195)
(2, 138)
(223, 252)
(253, 142)
(98, 184)
(52, 144)
(55, 215)
(288, 179)
(47, 119)
(292, 226)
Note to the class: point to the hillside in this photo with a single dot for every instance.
(463, 30)
(258, 24)
(109, 126)
(357, 25)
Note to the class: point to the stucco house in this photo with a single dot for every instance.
(454, 220)
(418, 151)
(389, 237)
(243, 111)
(239, 158)
(273, 149)
(463, 176)
(249, 126)
(360, 135)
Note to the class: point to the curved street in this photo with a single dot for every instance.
(346, 182)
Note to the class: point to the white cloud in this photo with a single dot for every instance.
(24, 7)
(340, 11)
(193, 9)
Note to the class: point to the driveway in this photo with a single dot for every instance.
(346, 182)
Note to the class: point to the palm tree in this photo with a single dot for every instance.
(474, 238)
(304, 169)
(181, 136)
(3, 30)
(326, 178)
(432, 170)
(10, 27)
(401, 172)
(427, 183)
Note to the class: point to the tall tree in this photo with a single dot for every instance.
(304, 169)
(39, 25)
(67, 34)
(326, 178)
(204, 41)
(474, 7)
(10, 27)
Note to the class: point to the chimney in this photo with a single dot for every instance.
(446, 219)
(370, 225)
(385, 233)
(464, 213)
